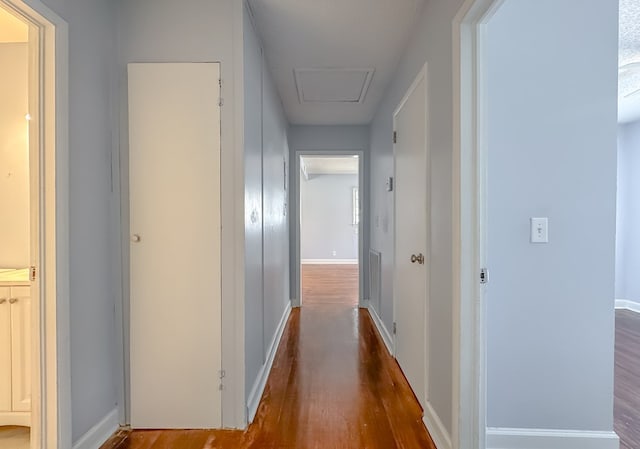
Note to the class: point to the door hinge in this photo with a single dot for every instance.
(395, 328)
(32, 273)
(220, 82)
(222, 373)
(484, 276)
(395, 137)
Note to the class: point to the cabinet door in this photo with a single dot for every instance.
(5, 350)
(21, 348)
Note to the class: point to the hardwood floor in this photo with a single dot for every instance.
(330, 284)
(333, 385)
(627, 379)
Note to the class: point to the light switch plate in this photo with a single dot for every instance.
(540, 230)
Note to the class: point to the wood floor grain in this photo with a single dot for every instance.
(330, 284)
(333, 385)
(627, 379)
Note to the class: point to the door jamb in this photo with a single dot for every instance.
(51, 389)
(469, 224)
(423, 74)
(362, 197)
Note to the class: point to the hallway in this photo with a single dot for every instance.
(333, 385)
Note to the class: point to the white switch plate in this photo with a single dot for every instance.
(540, 230)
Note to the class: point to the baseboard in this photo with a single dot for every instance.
(628, 305)
(329, 261)
(382, 330)
(263, 375)
(101, 432)
(501, 438)
(437, 430)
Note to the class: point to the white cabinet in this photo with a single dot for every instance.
(15, 355)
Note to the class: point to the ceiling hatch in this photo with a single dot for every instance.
(332, 85)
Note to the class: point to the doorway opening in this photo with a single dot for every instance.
(330, 237)
(34, 369)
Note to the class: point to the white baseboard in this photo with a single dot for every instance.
(329, 261)
(101, 432)
(437, 430)
(501, 438)
(628, 305)
(258, 387)
(382, 330)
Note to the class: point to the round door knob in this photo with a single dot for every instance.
(13, 300)
(417, 259)
(135, 238)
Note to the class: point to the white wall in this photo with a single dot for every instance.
(197, 31)
(551, 153)
(93, 288)
(266, 150)
(628, 219)
(326, 223)
(431, 42)
(14, 156)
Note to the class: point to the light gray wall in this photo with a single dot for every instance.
(92, 62)
(329, 139)
(266, 220)
(550, 308)
(197, 31)
(430, 42)
(327, 216)
(628, 219)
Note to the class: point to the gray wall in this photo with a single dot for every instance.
(93, 262)
(551, 153)
(196, 31)
(327, 216)
(329, 139)
(431, 42)
(628, 220)
(266, 221)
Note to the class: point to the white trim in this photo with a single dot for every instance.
(261, 381)
(625, 304)
(382, 329)
(329, 261)
(501, 438)
(438, 432)
(101, 432)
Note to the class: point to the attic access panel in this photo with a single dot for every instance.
(332, 85)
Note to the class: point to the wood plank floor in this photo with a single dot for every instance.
(333, 385)
(330, 284)
(627, 379)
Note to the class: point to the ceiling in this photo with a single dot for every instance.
(332, 60)
(322, 165)
(629, 62)
(12, 29)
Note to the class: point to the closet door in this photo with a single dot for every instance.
(174, 165)
(5, 350)
(21, 348)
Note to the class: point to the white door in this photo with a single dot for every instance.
(5, 350)
(411, 242)
(21, 348)
(174, 163)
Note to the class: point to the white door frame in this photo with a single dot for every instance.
(51, 379)
(469, 228)
(423, 74)
(362, 192)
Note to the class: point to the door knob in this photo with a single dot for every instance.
(3, 300)
(419, 258)
(135, 238)
(13, 300)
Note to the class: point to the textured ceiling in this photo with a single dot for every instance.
(629, 53)
(333, 34)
